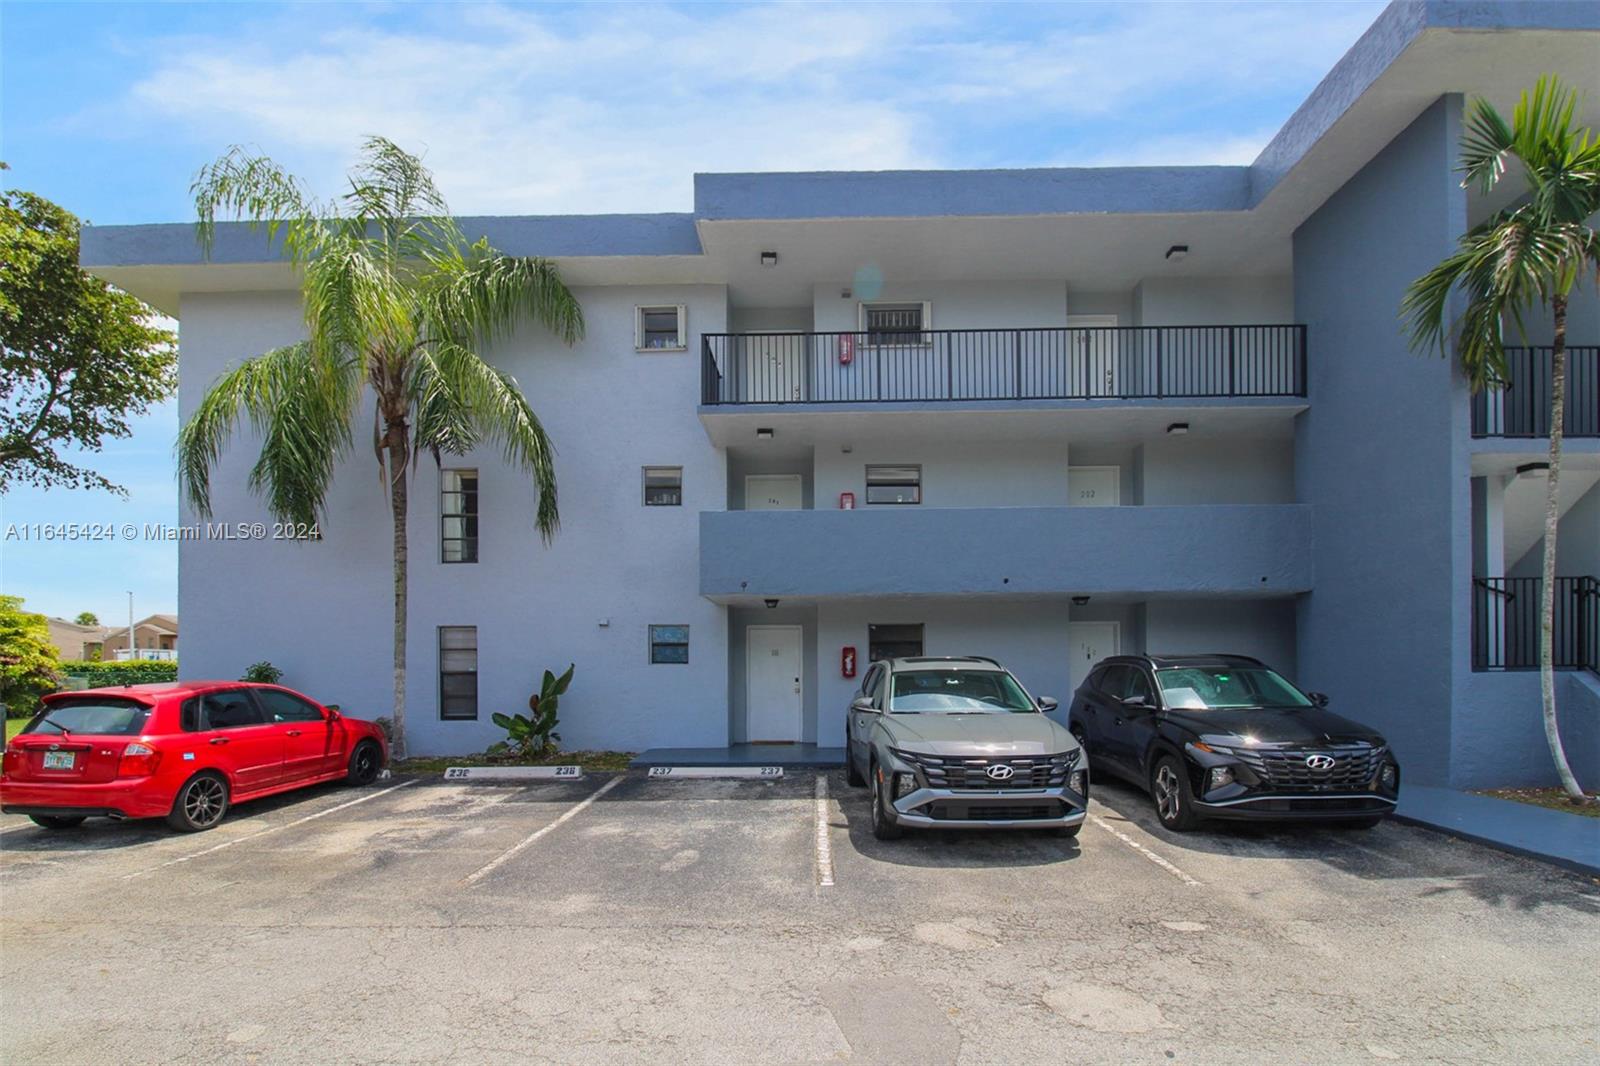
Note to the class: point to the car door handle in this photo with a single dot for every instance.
(292, 733)
(219, 740)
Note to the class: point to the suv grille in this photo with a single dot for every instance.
(1034, 771)
(1353, 769)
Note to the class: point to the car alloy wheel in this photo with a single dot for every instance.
(364, 764)
(882, 827)
(201, 804)
(1169, 795)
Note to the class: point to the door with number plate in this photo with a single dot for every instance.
(774, 692)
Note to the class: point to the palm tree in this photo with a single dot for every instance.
(1531, 253)
(397, 301)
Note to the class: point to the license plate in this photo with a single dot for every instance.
(59, 760)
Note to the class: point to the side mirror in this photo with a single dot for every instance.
(1048, 703)
(1137, 702)
(862, 703)
(333, 712)
(1318, 698)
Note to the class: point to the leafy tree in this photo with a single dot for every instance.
(27, 658)
(1529, 254)
(87, 618)
(77, 357)
(398, 304)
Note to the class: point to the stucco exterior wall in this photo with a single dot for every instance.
(956, 304)
(1249, 301)
(1381, 451)
(322, 611)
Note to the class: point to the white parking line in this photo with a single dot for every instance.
(270, 829)
(1142, 850)
(505, 856)
(824, 845)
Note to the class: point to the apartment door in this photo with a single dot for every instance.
(773, 367)
(774, 692)
(773, 492)
(1094, 356)
(1087, 644)
(1094, 486)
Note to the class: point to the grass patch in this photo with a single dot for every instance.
(14, 726)
(1553, 798)
(591, 761)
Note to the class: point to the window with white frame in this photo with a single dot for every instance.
(458, 672)
(894, 484)
(458, 516)
(663, 486)
(661, 328)
(896, 323)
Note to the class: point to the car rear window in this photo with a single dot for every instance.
(92, 715)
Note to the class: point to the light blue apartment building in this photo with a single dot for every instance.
(1041, 415)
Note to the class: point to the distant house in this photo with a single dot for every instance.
(155, 637)
(74, 641)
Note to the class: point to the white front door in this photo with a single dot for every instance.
(773, 492)
(1094, 486)
(774, 700)
(1087, 644)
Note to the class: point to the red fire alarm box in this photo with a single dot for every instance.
(847, 349)
(847, 662)
(847, 501)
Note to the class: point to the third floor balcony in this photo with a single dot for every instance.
(1000, 366)
(1522, 407)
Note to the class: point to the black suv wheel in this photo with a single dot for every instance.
(1169, 786)
(882, 827)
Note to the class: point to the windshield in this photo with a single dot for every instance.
(957, 692)
(96, 716)
(1204, 688)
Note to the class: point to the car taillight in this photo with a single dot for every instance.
(138, 760)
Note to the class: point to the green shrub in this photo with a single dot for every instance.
(262, 673)
(101, 674)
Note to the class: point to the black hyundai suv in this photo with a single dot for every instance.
(1223, 736)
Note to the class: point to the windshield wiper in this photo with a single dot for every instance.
(46, 720)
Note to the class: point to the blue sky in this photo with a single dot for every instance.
(109, 109)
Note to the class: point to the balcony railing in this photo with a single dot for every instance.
(1522, 409)
(1121, 362)
(1505, 623)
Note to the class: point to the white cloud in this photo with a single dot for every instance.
(614, 108)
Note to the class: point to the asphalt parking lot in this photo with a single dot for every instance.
(623, 919)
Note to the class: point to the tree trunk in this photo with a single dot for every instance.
(395, 437)
(1552, 521)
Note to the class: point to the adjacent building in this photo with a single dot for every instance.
(1043, 415)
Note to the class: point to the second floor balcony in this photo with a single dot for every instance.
(1522, 407)
(1003, 365)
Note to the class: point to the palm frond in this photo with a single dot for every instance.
(462, 400)
(481, 298)
(300, 404)
(1485, 145)
(256, 190)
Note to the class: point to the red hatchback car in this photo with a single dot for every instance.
(185, 751)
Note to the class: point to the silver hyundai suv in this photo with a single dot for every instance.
(957, 743)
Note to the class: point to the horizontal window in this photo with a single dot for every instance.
(894, 484)
(887, 324)
(458, 672)
(660, 328)
(669, 644)
(663, 486)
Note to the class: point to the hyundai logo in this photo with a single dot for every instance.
(1320, 762)
(1000, 772)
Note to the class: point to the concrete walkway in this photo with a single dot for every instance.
(1569, 840)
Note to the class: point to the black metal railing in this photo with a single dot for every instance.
(1522, 408)
(1117, 362)
(1505, 623)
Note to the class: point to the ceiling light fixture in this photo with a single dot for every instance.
(771, 604)
(1177, 253)
(1079, 601)
(769, 259)
(1532, 469)
(1178, 429)
(763, 433)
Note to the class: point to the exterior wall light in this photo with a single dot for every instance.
(1079, 601)
(771, 604)
(1532, 469)
(769, 259)
(764, 433)
(1177, 253)
(1178, 429)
